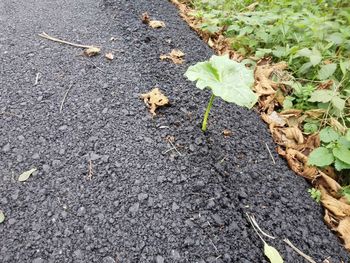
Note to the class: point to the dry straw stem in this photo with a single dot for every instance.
(46, 36)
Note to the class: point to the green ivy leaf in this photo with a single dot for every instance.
(320, 157)
(310, 127)
(272, 254)
(227, 79)
(344, 66)
(326, 71)
(342, 153)
(315, 57)
(323, 96)
(347, 135)
(339, 165)
(328, 135)
(338, 103)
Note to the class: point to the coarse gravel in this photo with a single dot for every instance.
(144, 201)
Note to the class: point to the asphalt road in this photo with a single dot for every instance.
(66, 115)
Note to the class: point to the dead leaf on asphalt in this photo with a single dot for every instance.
(156, 24)
(154, 99)
(109, 56)
(145, 18)
(344, 230)
(24, 176)
(92, 51)
(176, 56)
(2, 216)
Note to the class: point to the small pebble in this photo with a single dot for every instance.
(159, 259)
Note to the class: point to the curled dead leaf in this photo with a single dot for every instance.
(92, 51)
(335, 206)
(156, 24)
(154, 99)
(294, 133)
(264, 85)
(109, 56)
(344, 230)
(273, 118)
(329, 184)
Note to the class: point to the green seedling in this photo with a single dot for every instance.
(315, 194)
(227, 79)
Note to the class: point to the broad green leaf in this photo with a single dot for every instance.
(24, 176)
(347, 135)
(328, 135)
(339, 165)
(344, 66)
(227, 79)
(310, 128)
(304, 52)
(342, 153)
(338, 103)
(326, 71)
(320, 157)
(336, 38)
(2, 216)
(261, 52)
(323, 95)
(305, 67)
(315, 57)
(272, 254)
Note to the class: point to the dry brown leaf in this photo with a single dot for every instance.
(330, 220)
(263, 84)
(315, 113)
(335, 206)
(92, 51)
(154, 99)
(156, 24)
(330, 184)
(344, 230)
(109, 56)
(176, 56)
(337, 125)
(273, 118)
(294, 133)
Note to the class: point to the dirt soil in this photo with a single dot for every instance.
(144, 201)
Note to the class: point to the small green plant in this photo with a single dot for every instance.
(228, 79)
(315, 194)
(335, 149)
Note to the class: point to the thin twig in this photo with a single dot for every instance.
(37, 79)
(8, 113)
(268, 149)
(257, 226)
(44, 35)
(175, 148)
(256, 231)
(64, 97)
(90, 173)
(308, 258)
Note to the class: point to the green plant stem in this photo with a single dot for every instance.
(206, 114)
